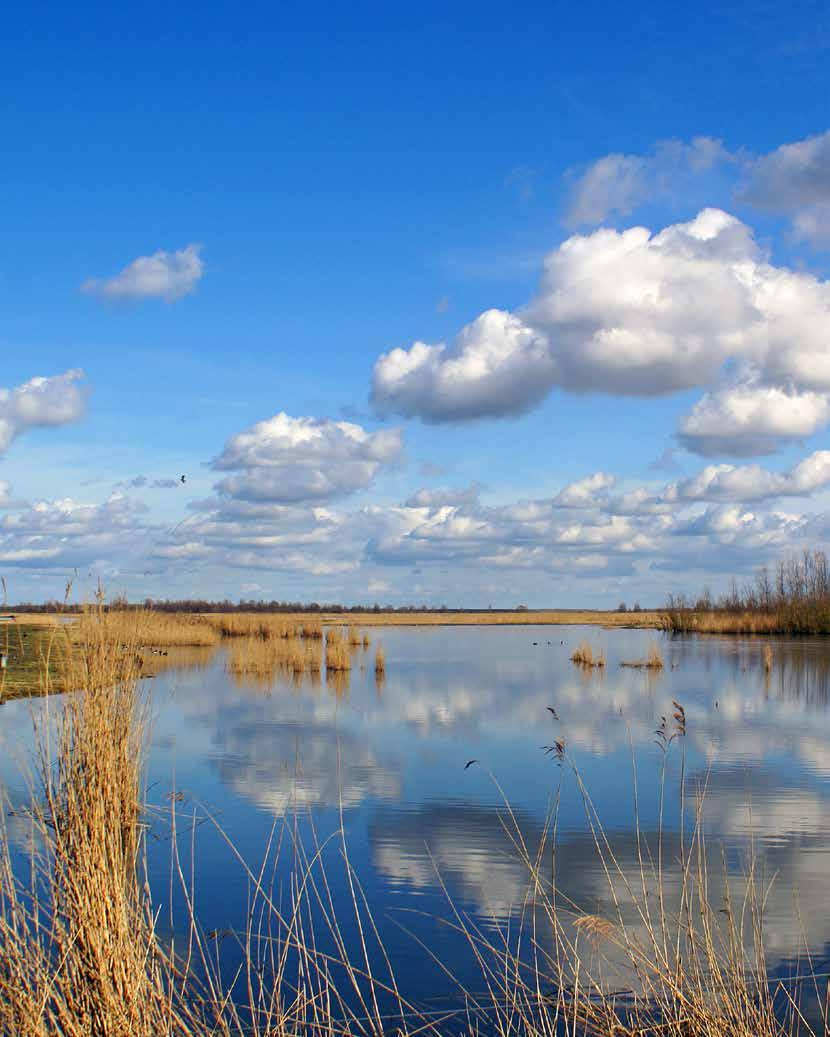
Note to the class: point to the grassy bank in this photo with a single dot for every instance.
(34, 655)
(81, 956)
(530, 617)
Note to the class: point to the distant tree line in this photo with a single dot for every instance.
(249, 605)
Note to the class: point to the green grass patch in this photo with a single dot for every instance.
(31, 652)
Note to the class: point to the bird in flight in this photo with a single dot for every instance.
(469, 764)
(552, 712)
(184, 479)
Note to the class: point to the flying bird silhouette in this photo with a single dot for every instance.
(552, 712)
(469, 764)
(184, 479)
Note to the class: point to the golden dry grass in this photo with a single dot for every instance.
(259, 661)
(543, 617)
(584, 655)
(380, 660)
(338, 657)
(722, 623)
(144, 628)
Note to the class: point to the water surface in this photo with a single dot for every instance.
(388, 761)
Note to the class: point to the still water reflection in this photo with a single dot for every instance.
(388, 758)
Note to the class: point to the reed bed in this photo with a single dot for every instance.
(139, 628)
(584, 655)
(81, 956)
(245, 624)
(652, 661)
(261, 661)
(380, 660)
(743, 622)
(338, 656)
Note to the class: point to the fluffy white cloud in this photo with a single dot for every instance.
(618, 183)
(163, 275)
(497, 366)
(751, 482)
(65, 534)
(41, 402)
(287, 460)
(587, 492)
(748, 418)
(630, 313)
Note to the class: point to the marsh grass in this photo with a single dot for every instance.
(338, 656)
(380, 660)
(584, 655)
(139, 628)
(259, 661)
(81, 956)
(34, 660)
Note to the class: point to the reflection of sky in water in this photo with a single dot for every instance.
(392, 760)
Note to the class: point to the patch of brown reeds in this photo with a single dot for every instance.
(652, 661)
(584, 655)
(745, 622)
(768, 659)
(380, 660)
(356, 638)
(145, 627)
(256, 660)
(80, 956)
(252, 624)
(338, 657)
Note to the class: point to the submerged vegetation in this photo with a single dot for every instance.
(652, 661)
(668, 955)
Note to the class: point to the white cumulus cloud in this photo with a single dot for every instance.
(749, 418)
(627, 313)
(752, 482)
(497, 366)
(41, 402)
(163, 275)
(288, 460)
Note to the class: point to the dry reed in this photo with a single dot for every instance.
(380, 660)
(584, 655)
(141, 628)
(767, 659)
(338, 657)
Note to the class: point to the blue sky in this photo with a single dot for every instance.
(317, 186)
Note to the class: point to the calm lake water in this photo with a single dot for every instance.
(419, 827)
